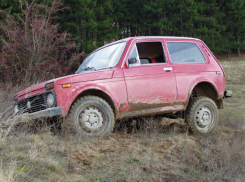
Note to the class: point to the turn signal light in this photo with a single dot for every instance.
(66, 86)
(49, 86)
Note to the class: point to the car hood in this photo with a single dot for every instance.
(75, 78)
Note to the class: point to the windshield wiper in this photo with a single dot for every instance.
(89, 68)
(85, 69)
(92, 69)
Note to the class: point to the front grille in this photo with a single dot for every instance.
(32, 104)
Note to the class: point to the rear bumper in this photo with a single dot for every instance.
(228, 93)
(50, 112)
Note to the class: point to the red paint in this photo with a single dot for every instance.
(124, 108)
(147, 88)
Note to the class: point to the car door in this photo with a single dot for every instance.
(150, 79)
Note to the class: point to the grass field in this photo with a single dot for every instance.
(161, 150)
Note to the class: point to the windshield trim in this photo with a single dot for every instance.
(105, 46)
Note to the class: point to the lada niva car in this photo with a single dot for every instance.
(134, 77)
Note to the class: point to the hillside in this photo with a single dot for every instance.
(147, 149)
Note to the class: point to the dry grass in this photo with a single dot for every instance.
(8, 174)
(147, 149)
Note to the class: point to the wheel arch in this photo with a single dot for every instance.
(206, 89)
(98, 93)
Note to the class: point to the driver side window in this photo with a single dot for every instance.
(147, 53)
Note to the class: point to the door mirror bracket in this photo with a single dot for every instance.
(132, 60)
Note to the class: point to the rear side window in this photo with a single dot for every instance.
(185, 52)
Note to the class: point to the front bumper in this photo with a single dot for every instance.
(228, 93)
(50, 112)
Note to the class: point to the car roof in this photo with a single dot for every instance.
(151, 37)
(146, 37)
(157, 37)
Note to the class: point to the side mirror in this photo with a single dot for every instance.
(132, 60)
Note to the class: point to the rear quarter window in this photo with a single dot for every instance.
(185, 52)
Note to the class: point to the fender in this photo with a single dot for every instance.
(198, 80)
(79, 90)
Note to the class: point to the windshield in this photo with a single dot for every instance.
(107, 57)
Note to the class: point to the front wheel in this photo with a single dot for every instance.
(92, 116)
(202, 115)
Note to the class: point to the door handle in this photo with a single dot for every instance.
(168, 69)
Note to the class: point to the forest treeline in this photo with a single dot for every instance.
(92, 23)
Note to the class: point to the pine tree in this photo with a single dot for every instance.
(235, 23)
(208, 25)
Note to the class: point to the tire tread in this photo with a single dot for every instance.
(74, 105)
(191, 107)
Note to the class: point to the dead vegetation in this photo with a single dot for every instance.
(144, 149)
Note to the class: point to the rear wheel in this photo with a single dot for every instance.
(92, 116)
(202, 115)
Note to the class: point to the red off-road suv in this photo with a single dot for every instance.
(134, 77)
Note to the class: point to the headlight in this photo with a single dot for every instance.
(50, 100)
(16, 109)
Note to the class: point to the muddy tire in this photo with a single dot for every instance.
(91, 117)
(202, 115)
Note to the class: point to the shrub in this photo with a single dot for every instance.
(31, 48)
